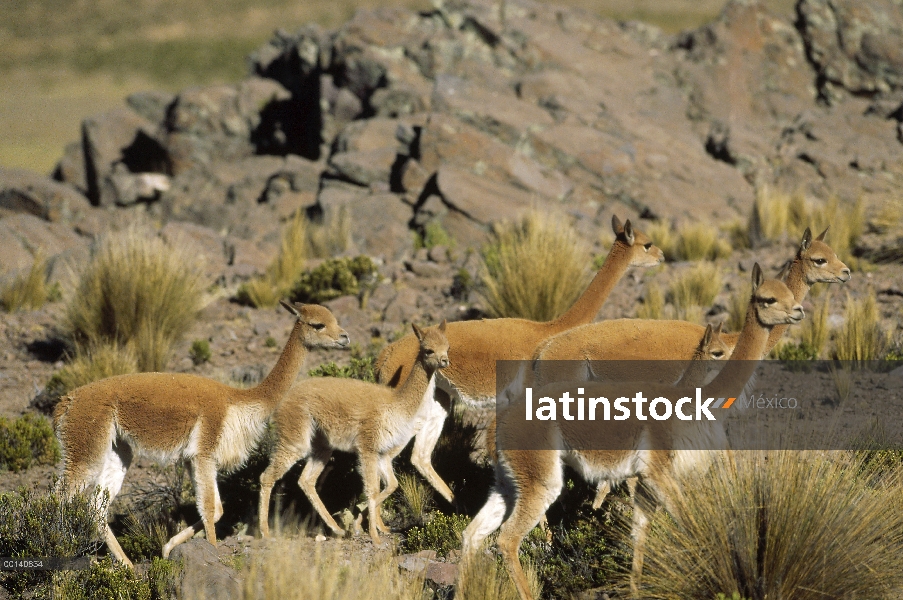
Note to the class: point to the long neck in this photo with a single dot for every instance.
(275, 385)
(796, 281)
(412, 392)
(584, 310)
(745, 358)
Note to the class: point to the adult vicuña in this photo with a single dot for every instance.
(657, 452)
(476, 345)
(651, 339)
(323, 414)
(102, 426)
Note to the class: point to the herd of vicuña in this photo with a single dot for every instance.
(105, 425)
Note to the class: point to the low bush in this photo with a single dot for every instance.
(27, 441)
(440, 532)
(336, 277)
(362, 366)
(533, 268)
(41, 523)
(433, 234)
(200, 351)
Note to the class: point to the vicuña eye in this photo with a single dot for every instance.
(768, 301)
(318, 326)
(717, 354)
(428, 352)
(820, 261)
(647, 245)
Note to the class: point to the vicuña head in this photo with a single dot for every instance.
(103, 425)
(323, 414)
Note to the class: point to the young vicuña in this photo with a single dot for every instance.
(376, 422)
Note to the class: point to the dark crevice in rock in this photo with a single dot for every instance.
(395, 174)
(146, 155)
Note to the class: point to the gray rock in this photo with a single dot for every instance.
(203, 575)
(23, 234)
(29, 192)
(152, 105)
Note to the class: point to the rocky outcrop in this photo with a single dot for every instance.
(464, 116)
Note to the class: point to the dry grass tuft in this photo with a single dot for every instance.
(483, 578)
(694, 288)
(137, 291)
(331, 237)
(653, 303)
(847, 223)
(27, 290)
(843, 381)
(95, 362)
(418, 497)
(780, 524)
(663, 236)
(293, 572)
(700, 241)
(737, 307)
(533, 268)
(861, 337)
(267, 290)
(770, 214)
(814, 331)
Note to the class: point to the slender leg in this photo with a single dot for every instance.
(386, 474)
(203, 470)
(425, 442)
(308, 482)
(110, 477)
(485, 522)
(281, 461)
(370, 473)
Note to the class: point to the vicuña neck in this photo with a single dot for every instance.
(745, 358)
(584, 310)
(412, 391)
(277, 383)
(796, 281)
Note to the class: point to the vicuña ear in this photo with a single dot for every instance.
(417, 331)
(718, 329)
(442, 326)
(821, 236)
(290, 308)
(616, 225)
(628, 232)
(757, 277)
(807, 240)
(707, 336)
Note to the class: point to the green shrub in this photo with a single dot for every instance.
(533, 268)
(138, 291)
(29, 289)
(441, 533)
(43, 524)
(362, 366)
(580, 554)
(270, 342)
(200, 351)
(26, 441)
(434, 234)
(336, 277)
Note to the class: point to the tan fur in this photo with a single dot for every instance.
(477, 345)
(650, 339)
(528, 481)
(167, 416)
(320, 415)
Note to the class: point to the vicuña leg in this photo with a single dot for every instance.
(208, 502)
(387, 475)
(370, 472)
(281, 461)
(425, 443)
(308, 483)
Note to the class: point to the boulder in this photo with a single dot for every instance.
(23, 235)
(378, 221)
(23, 191)
(854, 45)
